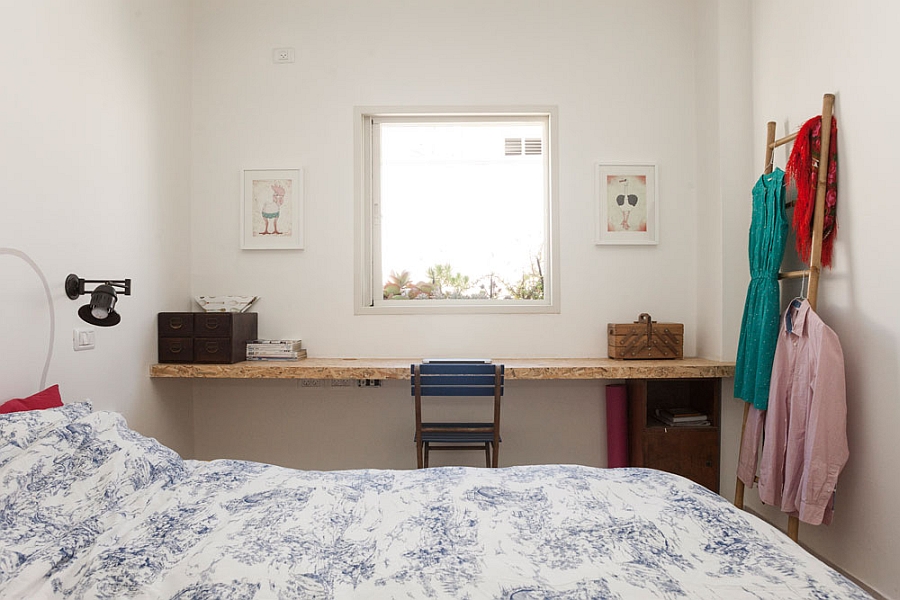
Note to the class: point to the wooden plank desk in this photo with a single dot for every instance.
(398, 368)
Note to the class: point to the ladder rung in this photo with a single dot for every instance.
(794, 274)
(784, 140)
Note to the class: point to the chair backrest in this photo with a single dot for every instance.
(457, 380)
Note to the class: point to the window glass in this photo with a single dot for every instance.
(460, 211)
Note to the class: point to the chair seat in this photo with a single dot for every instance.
(458, 437)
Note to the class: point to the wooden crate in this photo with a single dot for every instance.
(645, 339)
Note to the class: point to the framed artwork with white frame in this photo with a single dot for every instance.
(272, 209)
(627, 208)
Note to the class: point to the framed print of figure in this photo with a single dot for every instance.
(627, 209)
(272, 209)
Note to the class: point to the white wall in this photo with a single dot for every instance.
(619, 99)
(94, 138)
(802, 50)
(724, 176)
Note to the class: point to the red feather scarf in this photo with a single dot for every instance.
(803, 169)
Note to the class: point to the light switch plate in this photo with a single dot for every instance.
(83, 338)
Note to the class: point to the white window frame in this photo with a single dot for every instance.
(367, 300)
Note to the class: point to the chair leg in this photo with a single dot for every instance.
(426, 454)
(419, 450)
(495, 463)
(487, 454)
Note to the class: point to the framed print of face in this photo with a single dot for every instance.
(627, 209)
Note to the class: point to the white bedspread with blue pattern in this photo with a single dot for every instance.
(91, 509)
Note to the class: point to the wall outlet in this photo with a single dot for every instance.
(342, 382)
(369, 383)
(312, 383)
(282, 55)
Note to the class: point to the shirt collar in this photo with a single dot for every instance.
(795, 316)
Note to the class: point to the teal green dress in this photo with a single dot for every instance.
(762, 309)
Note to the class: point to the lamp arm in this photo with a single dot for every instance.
(122, 284)
(75, 285)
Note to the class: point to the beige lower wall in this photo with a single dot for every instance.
(352, 428)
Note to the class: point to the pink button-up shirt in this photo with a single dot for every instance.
(805, 444)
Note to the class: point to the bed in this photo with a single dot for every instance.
(91, 509)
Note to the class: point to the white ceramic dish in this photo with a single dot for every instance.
(236, 304)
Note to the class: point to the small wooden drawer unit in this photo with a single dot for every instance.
(205, 337)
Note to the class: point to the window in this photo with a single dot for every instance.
(456, 212)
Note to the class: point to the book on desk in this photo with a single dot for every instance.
(275, 350)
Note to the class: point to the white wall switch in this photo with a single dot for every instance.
(83, 338)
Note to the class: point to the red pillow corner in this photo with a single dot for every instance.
(48, 398)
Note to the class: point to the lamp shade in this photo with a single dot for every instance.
(101, 310)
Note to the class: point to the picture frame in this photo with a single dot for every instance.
(626, 200)
(272, 209)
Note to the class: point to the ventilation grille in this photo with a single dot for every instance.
(519, 147)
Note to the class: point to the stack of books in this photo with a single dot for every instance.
(684, 416)
(275, 350)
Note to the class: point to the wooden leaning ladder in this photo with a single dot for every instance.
(815, 258)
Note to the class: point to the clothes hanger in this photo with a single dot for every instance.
(804, 281)
(797, 302)
(798, 299)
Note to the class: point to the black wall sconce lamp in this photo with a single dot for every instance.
(101, 310)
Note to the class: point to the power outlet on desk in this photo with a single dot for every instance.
(312, 383)
(340, 383)
(368, 382)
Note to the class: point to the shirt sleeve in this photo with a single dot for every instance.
(826, 447)
(748, 459)
(774, 446)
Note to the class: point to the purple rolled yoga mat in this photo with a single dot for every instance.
(616, 425)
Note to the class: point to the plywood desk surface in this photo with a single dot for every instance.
(398, 368)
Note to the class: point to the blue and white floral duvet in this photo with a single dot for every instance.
(91, 509)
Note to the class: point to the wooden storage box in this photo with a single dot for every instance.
(645, 339)
(216, 338)
(690, 451)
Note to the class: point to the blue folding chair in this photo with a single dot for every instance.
(457, 380)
